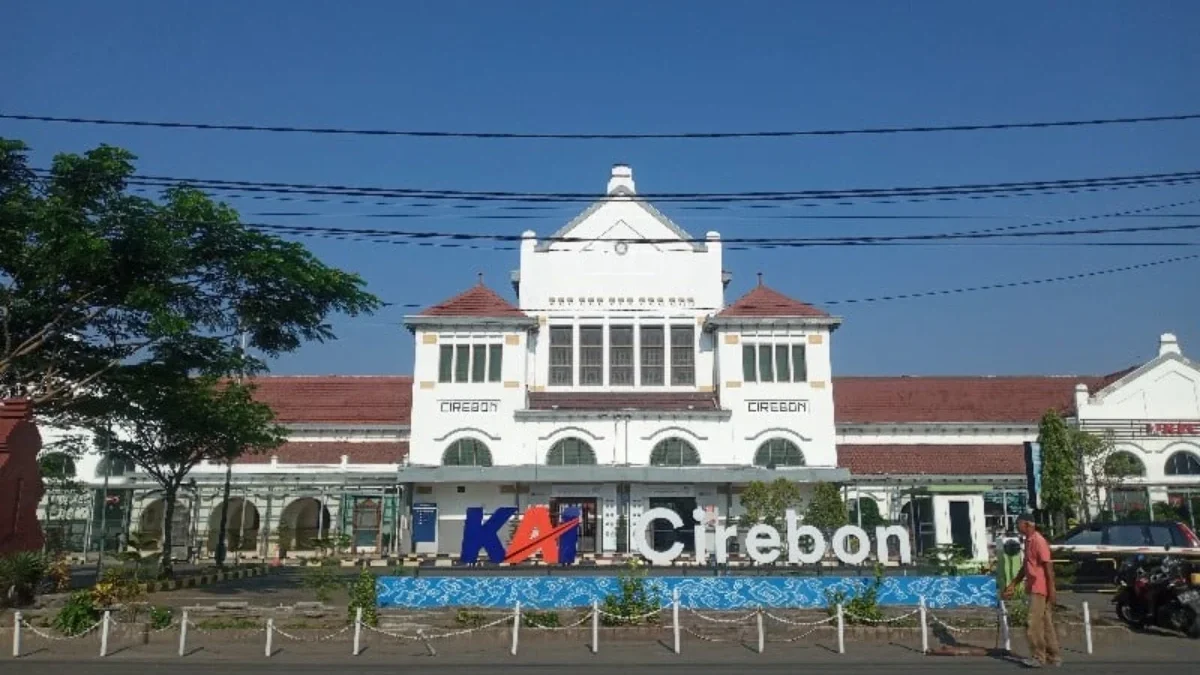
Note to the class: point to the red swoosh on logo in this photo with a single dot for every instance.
(552, 534)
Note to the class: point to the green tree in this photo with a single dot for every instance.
(768, 502)
(826, 510)
(871, 518)
(171, 420)
(1060, 469)
(93, 278)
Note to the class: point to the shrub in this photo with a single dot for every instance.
(633, 600)
(77, 615)
(860, 607)
(536, 619)
(362, 594)
(160, 617)
(20, 574)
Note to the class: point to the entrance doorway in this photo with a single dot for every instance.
(664, 534)
(587, 519)
(960, 526)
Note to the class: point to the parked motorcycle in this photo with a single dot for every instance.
(1161, 594)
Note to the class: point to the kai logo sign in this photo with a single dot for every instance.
(535, 534)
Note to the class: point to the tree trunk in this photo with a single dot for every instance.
(166, 568)
(222, 535)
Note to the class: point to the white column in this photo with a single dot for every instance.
(595, 626)
(761, 638)
(924, 628)
(16, 634)
(1087, 627)
(841, 628)
(104, 632)
(357, 629)
(516, 628)
(270, 634)
(675, 618)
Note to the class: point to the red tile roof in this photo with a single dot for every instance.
(957, 399)
(337, 398)
(941, 460)
(765, 302)
(479, 300)
(385, 452)
(623, 401)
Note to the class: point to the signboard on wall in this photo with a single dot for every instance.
(1033, 473)
(1173, 429)
(469, 405)
(777, 406)
(424, 518)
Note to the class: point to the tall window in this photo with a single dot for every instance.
(674, 452)
(591, 356)
(445, 363)
(774, 363)
(570, 452)
(683, 356)
(470, 363)
(467, 452)
(620, 356)
(562, 355)
(462, 362)
(1183, 463)
(652, 356)
(778, 452)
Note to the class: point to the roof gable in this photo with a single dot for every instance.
(1168, 383)
(477, 301)
(765, 302)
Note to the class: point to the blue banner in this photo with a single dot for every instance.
(717, 593)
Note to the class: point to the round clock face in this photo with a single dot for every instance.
(621, 248)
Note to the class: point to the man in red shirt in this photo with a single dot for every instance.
(1038, 575)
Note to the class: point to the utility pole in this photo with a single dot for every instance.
(222, 528)
(104, 500)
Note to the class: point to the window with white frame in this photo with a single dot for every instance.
(562, 356)
(774, 362)
(683, 356)
(653, 356)
(620, 356)
(470, 362)
(591, 356)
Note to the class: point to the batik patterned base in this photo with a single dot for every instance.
(732, 592)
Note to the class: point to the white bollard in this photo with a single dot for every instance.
(16, 634)
(841, 629)
(595, 627)
(1087, 627)
(104, 633)
(761, 637)
(1005, 631)
(924, 628)
(675, 617)
(270, 634)
(516, 627)
(183, 633)
(357, 629)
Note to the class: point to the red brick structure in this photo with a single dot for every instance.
(20, 479)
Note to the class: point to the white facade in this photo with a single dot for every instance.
(614, 387)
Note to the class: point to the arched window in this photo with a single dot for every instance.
(674, 452)
(570, 452)
(1124, 465)
(778, 452)
(467, 452)
(57, 465)
(115, 467)
(1183, 463)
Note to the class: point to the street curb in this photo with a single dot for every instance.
(197, 581)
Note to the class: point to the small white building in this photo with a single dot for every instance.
(612, 386)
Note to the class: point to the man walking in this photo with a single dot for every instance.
(1038, 574)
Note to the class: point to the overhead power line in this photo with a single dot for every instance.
(776, 241)
(1008, 188)
(885, 298)
(695, 135)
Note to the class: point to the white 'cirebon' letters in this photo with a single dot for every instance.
(763, 542)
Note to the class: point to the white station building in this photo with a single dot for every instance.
(613, 387)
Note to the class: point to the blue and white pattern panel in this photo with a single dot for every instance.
(716, 593)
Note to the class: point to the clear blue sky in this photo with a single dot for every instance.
(665, 66)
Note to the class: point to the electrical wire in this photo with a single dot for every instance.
(692, 135)
(971, 189)
(872, 299)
